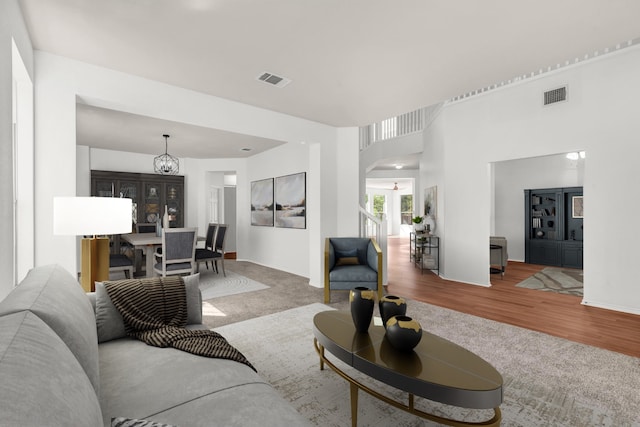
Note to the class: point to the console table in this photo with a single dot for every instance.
(436, 369)
(424, 251)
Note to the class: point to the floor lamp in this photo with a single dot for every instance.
(92, 216)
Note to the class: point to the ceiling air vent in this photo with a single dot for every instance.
(555, 95)
(274, 80)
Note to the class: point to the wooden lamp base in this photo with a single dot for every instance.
(95, 262)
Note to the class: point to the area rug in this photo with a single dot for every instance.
(553, 279)
(214, 285)
(548, 381)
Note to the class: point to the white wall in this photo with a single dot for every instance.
(600, 118)
(432, 173)
(60, 80)
(12, 30)
(513, 177)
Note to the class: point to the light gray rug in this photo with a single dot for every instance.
(213, 285)
(548, 381)
(554, 279)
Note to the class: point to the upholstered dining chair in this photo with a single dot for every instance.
(146, 227)
(218, 249)
(178, 252)
(218, 246)
(207, 253)
(120, 262)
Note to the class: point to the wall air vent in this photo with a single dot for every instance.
(274, 80)
(555, 95)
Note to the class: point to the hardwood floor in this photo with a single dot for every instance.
(555, 314)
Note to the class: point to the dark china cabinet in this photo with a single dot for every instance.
(149, 193)
(553, 226)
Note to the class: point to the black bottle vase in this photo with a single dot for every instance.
(391, 305)
(362, 301)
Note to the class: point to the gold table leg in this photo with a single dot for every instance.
(354, 405)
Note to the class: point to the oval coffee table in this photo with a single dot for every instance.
(436, 369)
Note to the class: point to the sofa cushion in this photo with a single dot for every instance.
(42, 382)
(110, 324)
(55, 296)
(161, 378)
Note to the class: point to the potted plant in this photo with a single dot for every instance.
(417, 223)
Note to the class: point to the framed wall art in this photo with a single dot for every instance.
(577, 210)
(431, 201)
(262, 202)
(291, 201)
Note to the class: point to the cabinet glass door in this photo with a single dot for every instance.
(104, 188)
(129, 190)
(151, 204)
(174, 205)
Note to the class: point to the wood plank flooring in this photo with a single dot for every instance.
(555, 314)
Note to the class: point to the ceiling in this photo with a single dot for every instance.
(350, 62)
(115, 130)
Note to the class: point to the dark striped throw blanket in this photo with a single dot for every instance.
(155, 312)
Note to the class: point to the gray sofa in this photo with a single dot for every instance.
(54, 371)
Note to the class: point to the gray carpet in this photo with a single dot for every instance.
(554, 279)
(548, 381)
(216, 285)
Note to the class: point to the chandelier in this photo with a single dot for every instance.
(166, 164)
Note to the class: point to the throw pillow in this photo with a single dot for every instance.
(131, 422)
(349, 257)
(194, 299)
(110, 324)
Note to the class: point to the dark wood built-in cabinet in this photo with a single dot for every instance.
(553, 226)
(149, 194)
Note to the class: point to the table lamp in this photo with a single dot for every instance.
(92, 216)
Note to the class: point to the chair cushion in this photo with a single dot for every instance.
(206, 254)
(119, 260)
(352, 273)
(174, 267)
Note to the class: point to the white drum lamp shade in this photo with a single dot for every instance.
(92, 216)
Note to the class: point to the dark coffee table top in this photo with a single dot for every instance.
(436, 369)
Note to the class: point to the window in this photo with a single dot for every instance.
(379, 205)
(406, 209)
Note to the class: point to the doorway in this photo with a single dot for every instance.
(511, 216)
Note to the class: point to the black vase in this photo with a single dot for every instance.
(361, 301)
(403, 332)
(391, 305)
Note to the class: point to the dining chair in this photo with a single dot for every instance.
(121, 262)
(178, 252)
(218, 248)
(207, 253)
(146, 227)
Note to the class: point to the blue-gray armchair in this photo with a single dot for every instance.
(350, 262)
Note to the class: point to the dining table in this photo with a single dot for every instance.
(147, 243)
